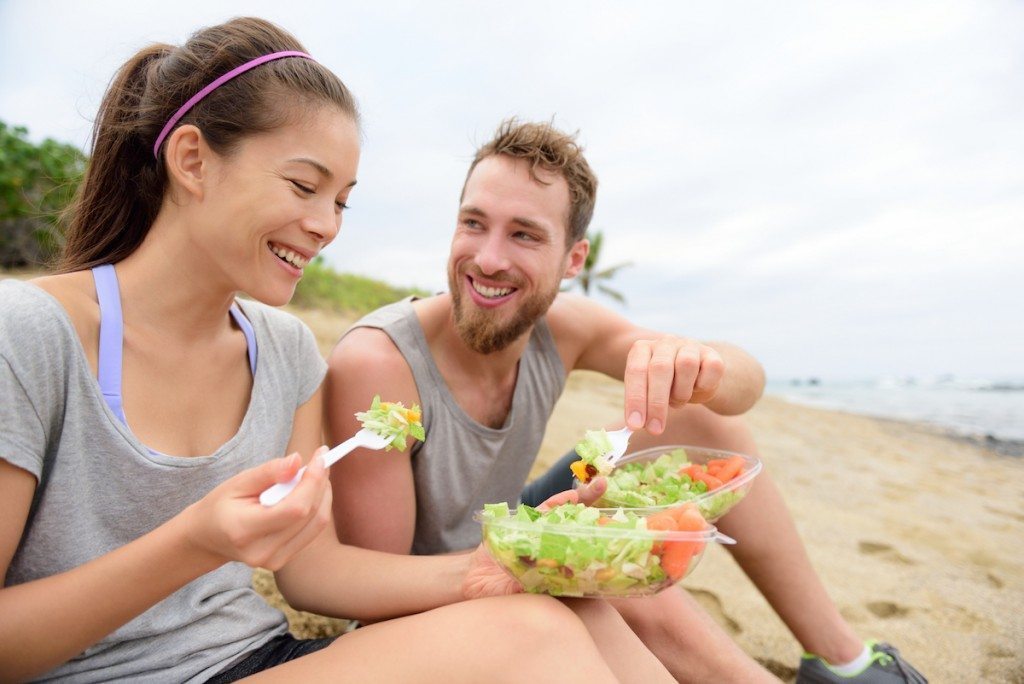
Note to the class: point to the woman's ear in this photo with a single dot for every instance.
(187, 157)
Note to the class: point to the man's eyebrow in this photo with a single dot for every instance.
(520, 220)
(529, 223)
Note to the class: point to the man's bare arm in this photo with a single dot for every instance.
(374, 496)
(659, 370)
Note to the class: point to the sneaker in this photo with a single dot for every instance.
(886, 666)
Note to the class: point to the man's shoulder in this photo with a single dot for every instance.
(367, 347)
(572, 315)
(573, 305)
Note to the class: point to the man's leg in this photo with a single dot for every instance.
(557, 479)
(687, 641)
(769, 551)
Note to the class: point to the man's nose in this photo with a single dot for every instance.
(492, 256)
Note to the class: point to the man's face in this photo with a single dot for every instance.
(508, 254)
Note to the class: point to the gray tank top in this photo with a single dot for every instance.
(462, 464)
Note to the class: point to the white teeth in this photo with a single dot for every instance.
(291, 257)
(491, 291)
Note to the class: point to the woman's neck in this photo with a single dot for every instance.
(168, 284)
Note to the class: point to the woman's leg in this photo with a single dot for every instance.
(511, 639)
(621, 648)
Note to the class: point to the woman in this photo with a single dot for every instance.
(141, 401)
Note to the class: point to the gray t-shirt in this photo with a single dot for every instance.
(100, 488)
(463, 465)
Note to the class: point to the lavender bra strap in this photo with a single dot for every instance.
(108, 373)
(111, 337)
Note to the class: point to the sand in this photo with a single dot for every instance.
(918, 535)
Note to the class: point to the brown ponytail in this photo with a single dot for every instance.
(124, 184)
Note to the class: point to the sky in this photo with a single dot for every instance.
(836, 187)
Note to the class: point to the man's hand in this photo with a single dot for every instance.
(669, 371)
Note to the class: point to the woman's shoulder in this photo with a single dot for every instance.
(48, 301)
(277, 326)
(40, 318)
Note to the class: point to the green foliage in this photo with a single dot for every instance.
(324, 288)
(36, 183)
(591, 276)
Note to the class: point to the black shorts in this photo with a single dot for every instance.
(557, 479)
(279, 650)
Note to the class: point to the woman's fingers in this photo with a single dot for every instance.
(303, 537)
(232, 523)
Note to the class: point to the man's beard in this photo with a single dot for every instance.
(480, 329)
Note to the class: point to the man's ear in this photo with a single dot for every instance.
(186, 155)
(576, 258)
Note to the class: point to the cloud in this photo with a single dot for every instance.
(835, 186)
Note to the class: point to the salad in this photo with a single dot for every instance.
(671, 478)
(392, 419)
(593, 452)
(575, 550)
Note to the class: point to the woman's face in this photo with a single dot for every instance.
(277, 200)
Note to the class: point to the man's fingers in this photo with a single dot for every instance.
(661, 372)
(712, 370)
(635, 378)
(592, 491)
(568, 496)
(687, 369)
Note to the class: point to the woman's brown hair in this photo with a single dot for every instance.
(124, 183)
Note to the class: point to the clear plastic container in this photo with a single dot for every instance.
(597, 559)
(649, 494)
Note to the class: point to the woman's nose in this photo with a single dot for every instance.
(323, 225)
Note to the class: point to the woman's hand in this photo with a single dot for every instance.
(230, 524)
(486, 578)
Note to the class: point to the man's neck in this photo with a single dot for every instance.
(482, 384)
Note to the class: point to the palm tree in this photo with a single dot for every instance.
(589, 275)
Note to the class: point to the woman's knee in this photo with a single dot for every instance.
(536, 616)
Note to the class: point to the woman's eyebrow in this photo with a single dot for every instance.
(324, 171)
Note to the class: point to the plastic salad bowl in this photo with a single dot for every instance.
(665, 476)
(575, 550)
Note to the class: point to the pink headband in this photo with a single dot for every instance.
(194, 100)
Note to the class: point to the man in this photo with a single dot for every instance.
(487, 362)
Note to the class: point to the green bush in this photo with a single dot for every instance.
(324, 288)
(36, 184)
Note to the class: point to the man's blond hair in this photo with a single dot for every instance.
(544, 146)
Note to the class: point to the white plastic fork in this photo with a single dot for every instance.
(620, 441)
(365, 438)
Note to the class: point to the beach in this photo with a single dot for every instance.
(918, 535)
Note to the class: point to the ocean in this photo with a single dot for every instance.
(991, 411)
